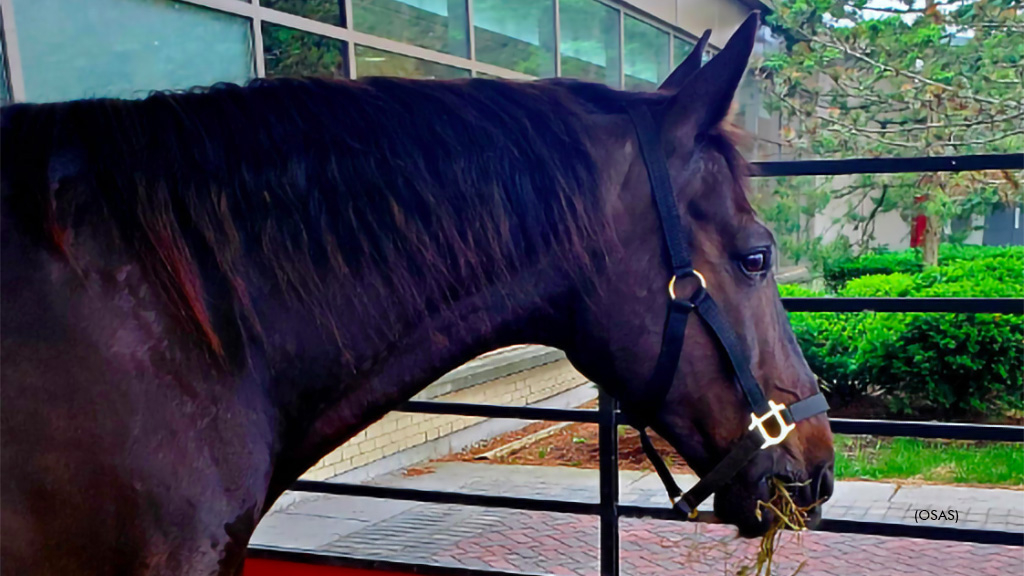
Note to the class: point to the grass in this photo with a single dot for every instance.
(960, 462)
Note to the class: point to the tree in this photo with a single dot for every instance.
(868, 78)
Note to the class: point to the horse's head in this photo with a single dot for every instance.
(621, 324)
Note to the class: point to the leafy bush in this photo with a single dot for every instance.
(826, 339)
(952, 364)
(996, 270)
(880, 286)
(953, 253)
(839, 271)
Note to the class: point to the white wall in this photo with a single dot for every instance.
(695, 16)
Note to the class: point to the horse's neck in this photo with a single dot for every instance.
(528, 309)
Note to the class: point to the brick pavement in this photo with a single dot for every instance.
(568, 545)
(539, 542)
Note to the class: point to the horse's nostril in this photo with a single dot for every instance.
(824, 483)
(787, 479)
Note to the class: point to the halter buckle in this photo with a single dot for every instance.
(680, 504)
(775, 411)
(691, 272)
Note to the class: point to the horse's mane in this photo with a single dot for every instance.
(430, 188)
(313, 188)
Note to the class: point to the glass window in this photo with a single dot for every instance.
(322, 10)
(5, 88)
(373, 62)
(290, 52)
(680, 50)
(589, 42)
(440, 25)
(127, 48)
(516, 35)
(646, 55)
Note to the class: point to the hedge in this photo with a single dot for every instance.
(952, 364)
(838, 272)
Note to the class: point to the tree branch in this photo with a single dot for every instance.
(839, 45)
(916, 127)
(870, 133)
(922, 10)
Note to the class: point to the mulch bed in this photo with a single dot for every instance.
(575, 445)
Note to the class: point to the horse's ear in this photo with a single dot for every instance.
(705, 100)
(688, 67)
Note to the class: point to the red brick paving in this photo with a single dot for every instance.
(568, 545)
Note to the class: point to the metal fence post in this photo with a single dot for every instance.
(608, 438)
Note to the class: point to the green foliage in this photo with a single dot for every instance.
(910, 80)
(840, 271)
(290, 52)
(827, 340)
(952, 364)
(1006, 262)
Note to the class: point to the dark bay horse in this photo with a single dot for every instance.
(204, 293)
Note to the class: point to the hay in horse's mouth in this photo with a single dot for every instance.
(786, 514)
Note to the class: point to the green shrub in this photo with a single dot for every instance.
(953, 253)
(957, 364)
(880, 286)
(951, 364)
(839, 271)
(827, 340)
(1004, 270)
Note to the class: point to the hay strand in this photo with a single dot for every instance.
(787, 514)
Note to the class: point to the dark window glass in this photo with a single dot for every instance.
(126, 48)
(646, 55)
(290, 52)
(516, 35)
(435, 24)
(590, 41)
(5, 88)
(680, 50)
(373, 62)
(322, 10)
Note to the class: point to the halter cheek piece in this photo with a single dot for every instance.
(770, 422)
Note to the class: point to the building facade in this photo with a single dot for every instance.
(66, 49)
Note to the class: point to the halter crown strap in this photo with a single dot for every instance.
(676, 237)
(655, 390)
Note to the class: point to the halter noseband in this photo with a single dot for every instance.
(655, 391)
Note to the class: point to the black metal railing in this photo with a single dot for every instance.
(607, 416)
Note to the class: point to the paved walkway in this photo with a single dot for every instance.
(566, 544)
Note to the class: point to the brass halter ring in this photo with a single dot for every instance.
(694, 273)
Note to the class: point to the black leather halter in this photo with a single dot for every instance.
(780, 418)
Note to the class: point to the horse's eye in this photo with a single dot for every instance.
(755, 262)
